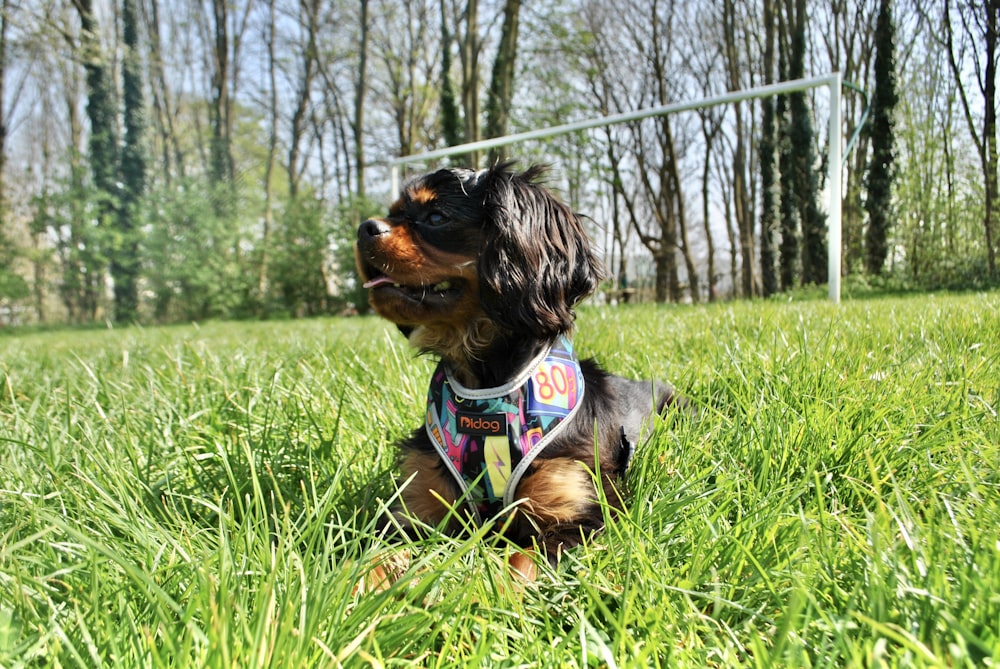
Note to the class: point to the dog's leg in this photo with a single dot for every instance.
(430, 494)
(428, 497)
(560, 505)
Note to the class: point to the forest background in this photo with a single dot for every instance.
(172, 160)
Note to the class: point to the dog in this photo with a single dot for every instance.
(483, 270)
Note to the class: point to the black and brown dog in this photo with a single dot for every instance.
(483, 269)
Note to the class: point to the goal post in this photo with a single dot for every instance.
(832, 81)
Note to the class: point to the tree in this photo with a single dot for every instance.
(125, 267)
(802, 157)
(847, 31)
(979, 25)
(880, 171)
(309, 99)
(103, 142)
(405, 75)
(451, 128)
(193, 272)
(768, 164)
(459, 115)
(657, 162)
(164, 108)
(220, 147)
(103, 151)
(308, 20)
(705, 64)
(788, 249)
(12, 286)
(498, 101)
(939, 231)
(469, 47)
(267, 218)
(599, 76)
(741, 194)
(4, 119)
(360, 91)
(301, 257)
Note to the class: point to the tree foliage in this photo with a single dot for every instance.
(161, 162)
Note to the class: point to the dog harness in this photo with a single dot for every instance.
(488, 437)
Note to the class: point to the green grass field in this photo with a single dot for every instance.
(205, 496)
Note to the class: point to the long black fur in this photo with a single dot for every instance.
(537, 262)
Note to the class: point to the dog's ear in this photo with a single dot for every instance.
(537, 261)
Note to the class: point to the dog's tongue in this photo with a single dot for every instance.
(379, 281)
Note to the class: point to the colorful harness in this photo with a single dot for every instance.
(488, 437)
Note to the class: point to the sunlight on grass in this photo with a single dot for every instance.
(208, 495)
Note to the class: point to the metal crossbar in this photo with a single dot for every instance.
(832, 81)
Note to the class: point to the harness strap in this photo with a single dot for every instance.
(489, 437)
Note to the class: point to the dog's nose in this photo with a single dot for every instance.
(372, 228)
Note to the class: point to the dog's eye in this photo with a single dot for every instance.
(435, 218)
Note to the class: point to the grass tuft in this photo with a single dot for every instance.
(208, 495)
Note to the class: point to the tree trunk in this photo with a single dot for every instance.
(125, 262)
(661, 287)
(768, 213)
(741, 197)
(502, 81)
(267, 222)
(727, 207)
(171, 154)
(814, 261)
(709, 135)
(681, 242)
(300, 115)
(220, 149)
(450, 118)
(990, 134)
(619, 230)
(880, 172)
(103, 148)
(788, 249)
(103, 141)
(469, 45)
(359, 105)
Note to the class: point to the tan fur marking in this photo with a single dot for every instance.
(416, 264)
(386, 570)
(557, 491)
(460, 341)
(422, 195)
(523, 564)
(422, 497)
(400, 248)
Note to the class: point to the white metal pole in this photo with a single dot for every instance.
(833, 232)
(832, 81)
(674, 107)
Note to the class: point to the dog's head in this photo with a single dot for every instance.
(464, 259)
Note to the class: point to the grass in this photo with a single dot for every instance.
(205, 496)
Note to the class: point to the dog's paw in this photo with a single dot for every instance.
(384, 571)
(522, 566)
